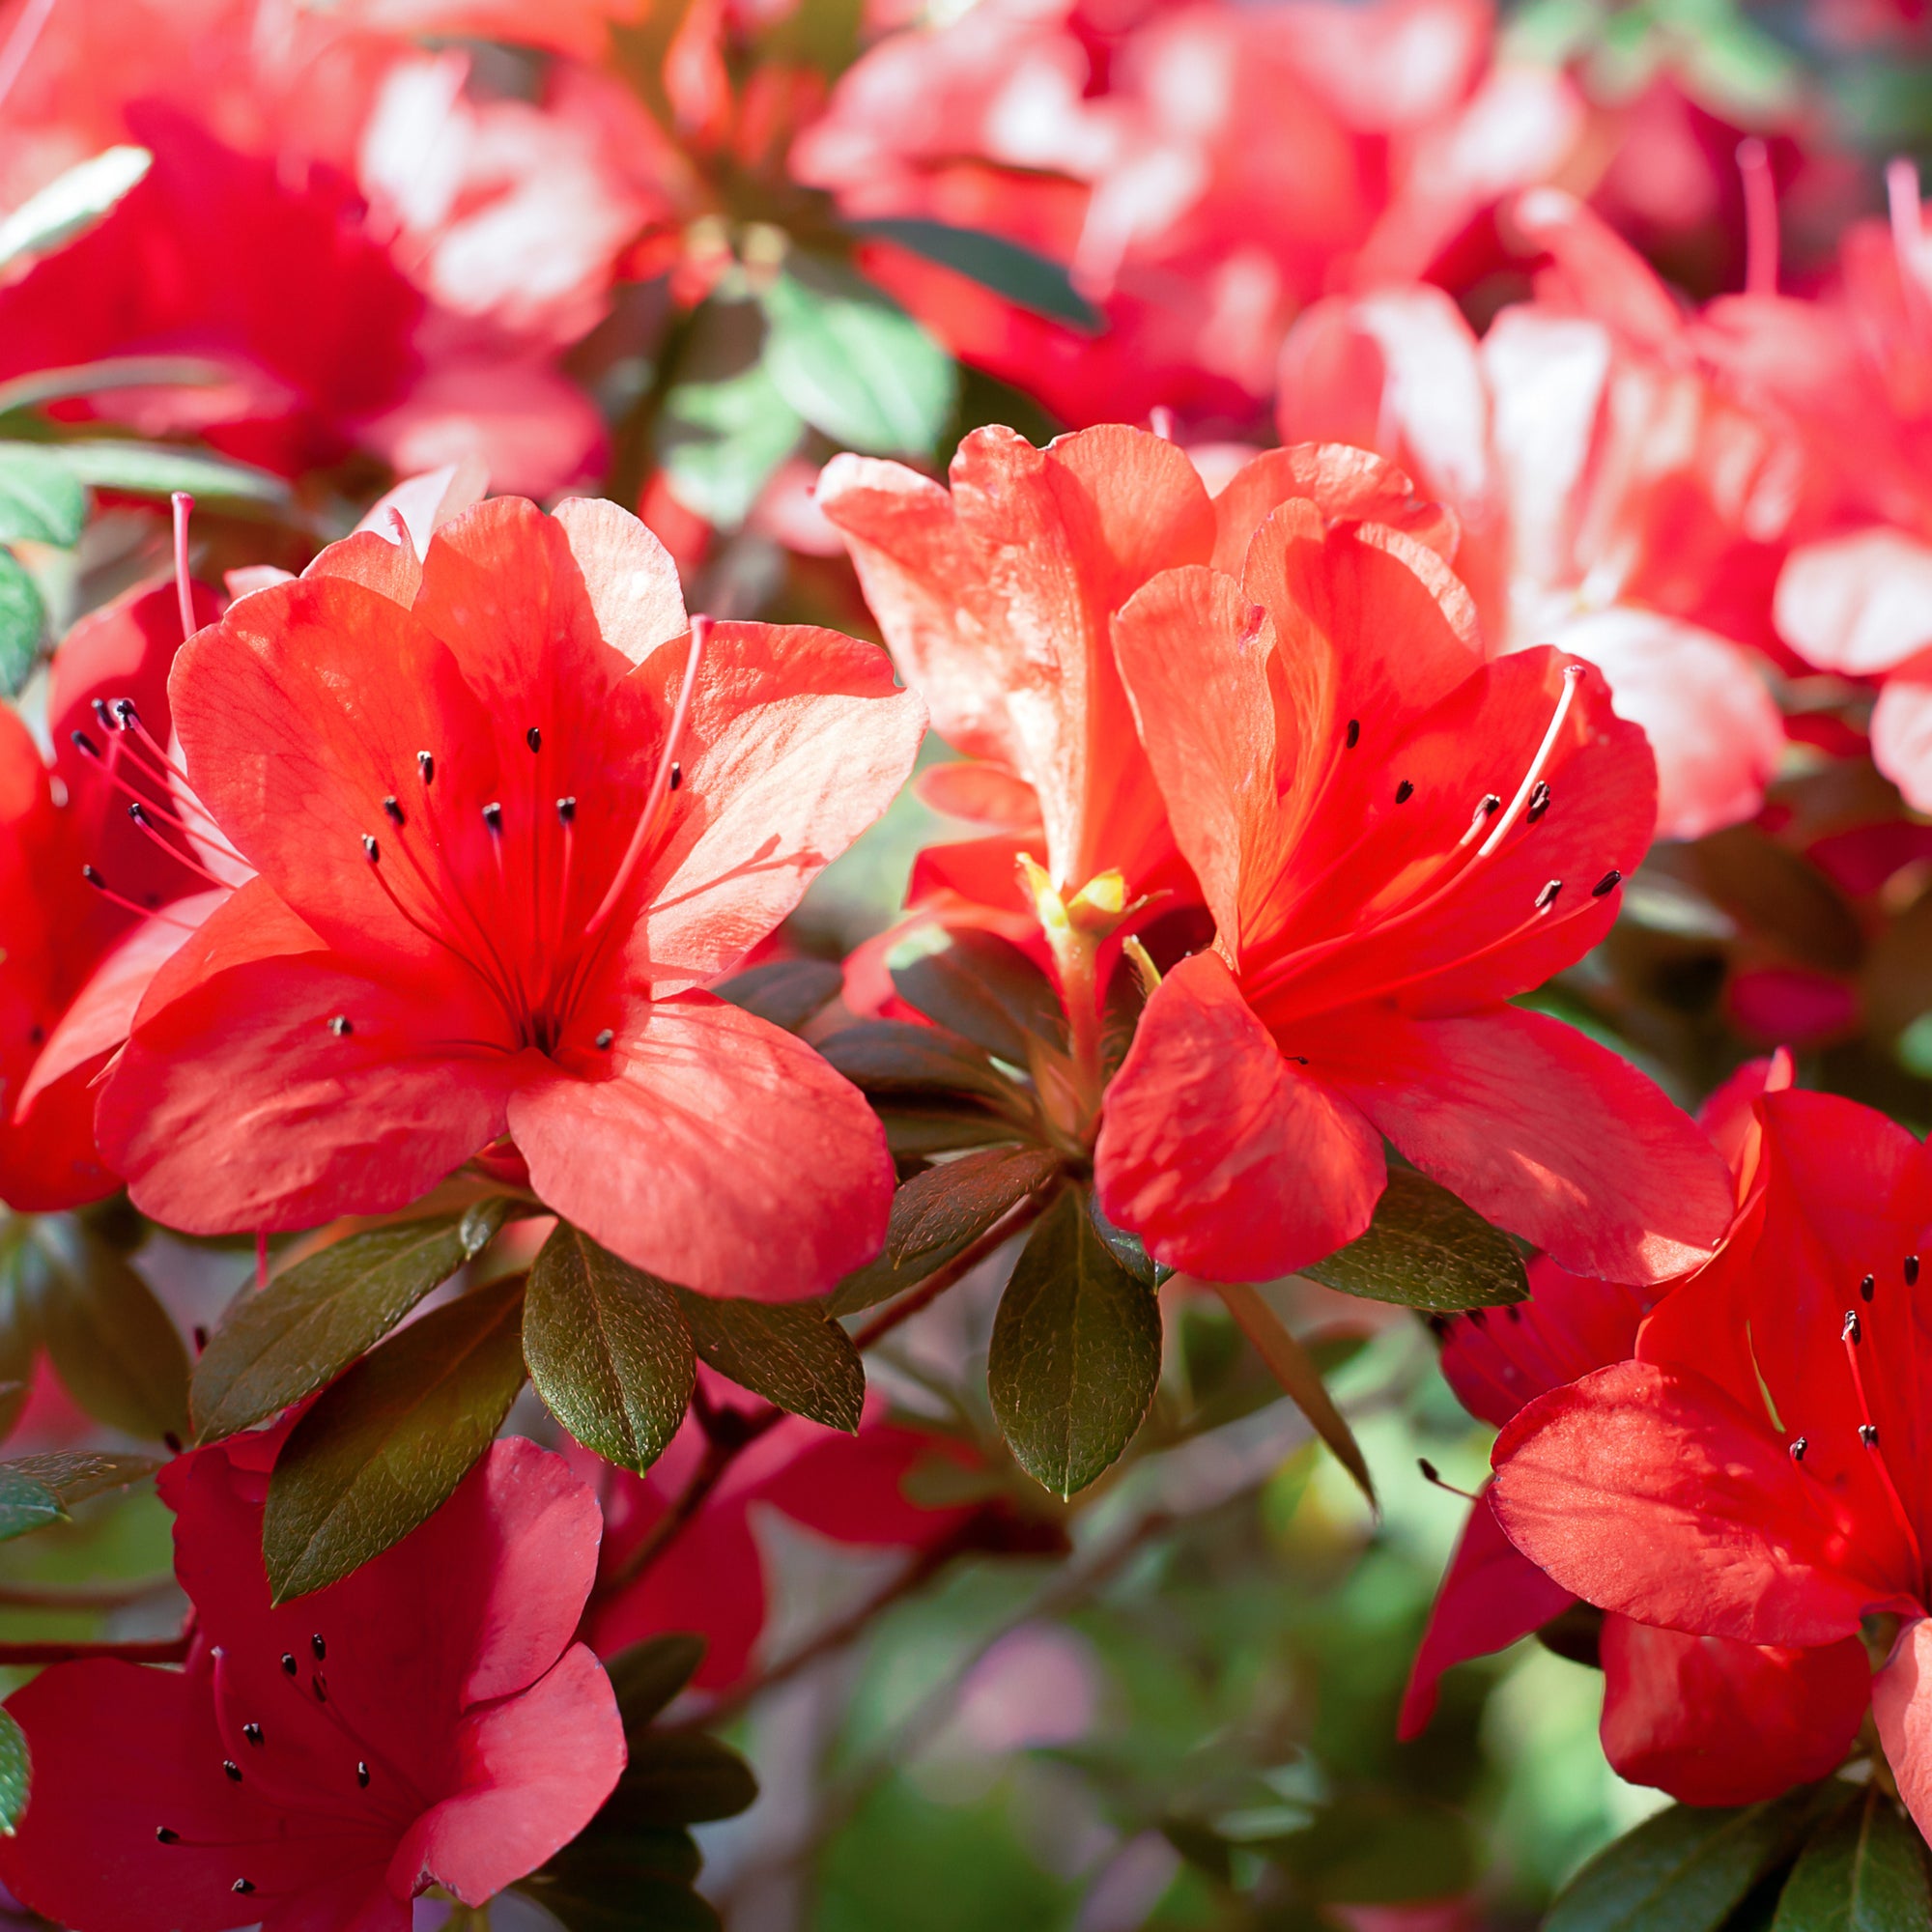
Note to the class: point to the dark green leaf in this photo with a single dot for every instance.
(1128, 1249)
(71, 202)
(23, 617)
(156, 469)
(381, 1449)
(980, 987)
(112, 1342)
(1075, 1352)
(113, 372)
(682, 1778)
(608, 1349)
(25, 1503)
(852, 362)
(1863, 1872)
(939, 1214)
(790, 1352)
(646, 1676)
(311, 1322)
(39, 500)
(917, 1133)
(1028, 280)
(15, 1771)
(595, 1892)
(1684, 1869)
(787, 992)
(1425, 1249)
(36, 1490)
(897, 1056)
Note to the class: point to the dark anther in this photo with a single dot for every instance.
(137, 812)
(1854, 1332)
(1438, 1327)
(676, 774)
(1608, 883)
(341, 1025)
(426, 765)
(1479, 1318)
(1539, 801)
(533, 738)
(605, 1038)
(232, 1769)
(171, 1442)
(1510, 1310)
(163, 1836)
(93, 878)
(1912, 1270)
(1867, 1287)
(1868, 1435)
(83, 744)
(1354, 736)
(1404, 792)
(125, 714)
(243, 1886)
(1799, 1445)
(200, 1338)
(101, 712)
(321, 1649)
(253, 1733)
(362, 1775)
(1429, 1472)
(289, 1662)
(566, 810)
(1490, 805)
(369, 849)
(1547, 897)
(394, 810)
(1299, 1059)
(492, 817)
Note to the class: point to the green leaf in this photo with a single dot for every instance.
(918, 1133)
(1128, 1249)
(608, 1349)
(36, 1490)
(311, 1322)
(787, 992)
(596, 1887)
(1027, 279)
(939, 1214)
(1380, 1848)
(40, 501)
(1864, 1871)
(897, 1056)
(1075, 1352)
(23, 620)
(682, 1778)
(158, 468)
(1686, 1868)
(71, 202)
(25, 1503)
(1425, 1249)
(853, 363)
(16, 1773)
(980, 987)
(381, 1449)
(113, 1345)
(790, 1352)
(112, 372)
(724, 427)
(646, 1676)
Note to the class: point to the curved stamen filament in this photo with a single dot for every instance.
(1868, 1431)
(1572, 676)
(183, 508)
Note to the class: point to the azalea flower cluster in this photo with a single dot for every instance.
(1379, 556)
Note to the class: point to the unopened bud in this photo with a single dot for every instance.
(1097, 906)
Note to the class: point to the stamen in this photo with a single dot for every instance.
(243, 1886)
(341, 1025)
(676, 776)
(1869, 1286)
(1868, 1435)
(1799, 1445)
(1533, 792)
(1760, 217)
(1431, 1474)
(1352, 737)
(125, 714)
(288, 1662)
(1404, 792)
(1607, 883)
(426, 768)
(164, 1836)
(319, 1684)
(232, 1769)
(566, 810)
(1854, 1332)
(362, 1775)
(533, 738)
(1912, 1270)
(321, 1649)
(101, 886)
(183, 508)
(83, 744)
(701, 637)
(1547, 897)
(1539, 802)
(253, 1733)
(395, 812)
(369, 849)
(604, 1040)
(492, 817)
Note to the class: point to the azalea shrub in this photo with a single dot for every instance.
(965, 967)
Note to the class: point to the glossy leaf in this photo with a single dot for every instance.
(312, 1320)
(724, 427)
(608, 1349)
(1027, 279)
(1686, 1868)
(71, 202)
(381, 1449)
(40, 499)
(26, 1503)
(23, 618)
(1426, 1250)
(853, 363)
(897, 1056)
(918, 1133)
(111, 372)
(790, 1352)
(114, 1345)
(939, 1214)
(646, 1676)
(1863, 1872)
(1075, 1352)
(16, 1773)
(980, 987)
(682, 1778)
(787, 992)
(157, 469)
(36, 1490)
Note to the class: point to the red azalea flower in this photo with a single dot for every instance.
(274, 274)
(508, 821)
(712, 1579)
(1395, 839)
(1759, 1472)
(426, 1721)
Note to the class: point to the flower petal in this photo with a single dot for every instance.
(1858, 603)
(1902, 1705)
(762, 1172)
(1221, 1156)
